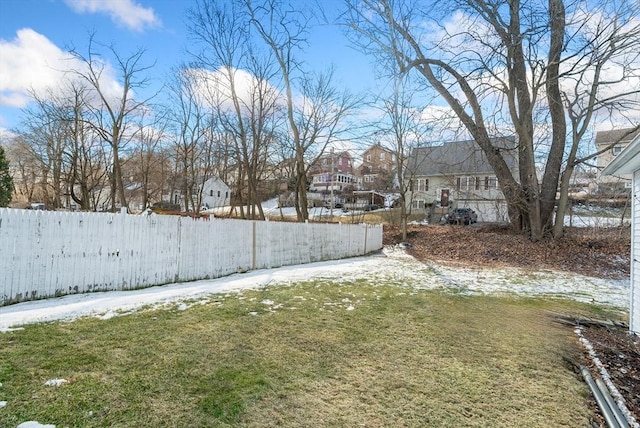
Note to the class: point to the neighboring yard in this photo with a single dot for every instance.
(463, 339)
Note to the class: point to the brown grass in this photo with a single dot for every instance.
(402, 357)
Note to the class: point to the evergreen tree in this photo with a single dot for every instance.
(6, 182)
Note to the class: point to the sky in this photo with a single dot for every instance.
(35, 34)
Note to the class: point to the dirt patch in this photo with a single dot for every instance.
(601, 253)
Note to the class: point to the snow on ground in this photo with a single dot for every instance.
(391, 266)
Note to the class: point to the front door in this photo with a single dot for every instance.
(444, 198)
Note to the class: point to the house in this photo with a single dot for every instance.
(609, 144)
(458, 175)
(206, 192)
(332, 171)
(377, 168)
(627, 162)
(215, 193)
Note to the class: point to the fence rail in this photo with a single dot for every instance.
(45, 254)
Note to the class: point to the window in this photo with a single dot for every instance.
(211, 192)
(383, 166)
(382, 155)
(393, 158)
(420, 184)
(368, 158)
(467, 183)
(616, 150)
(490, 183)
(418, 204)
(324, 161)
(367, 179)
(218, 193)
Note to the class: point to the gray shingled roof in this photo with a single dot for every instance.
(459, 157)
(616, 135)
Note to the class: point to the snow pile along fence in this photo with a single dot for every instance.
(45, 254)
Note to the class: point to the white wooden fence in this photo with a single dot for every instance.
(45, 254)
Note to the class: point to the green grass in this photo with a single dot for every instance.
(400, 358)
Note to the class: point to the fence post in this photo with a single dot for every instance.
(253, 246)
(366, 232)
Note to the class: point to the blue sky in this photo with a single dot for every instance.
(35, 33)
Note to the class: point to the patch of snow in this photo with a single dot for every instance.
(350, 307)
(606, 378)
(34, 424)
(253, 314)
(3, 404)
(267, 302)
(390, 266)
(55, 382)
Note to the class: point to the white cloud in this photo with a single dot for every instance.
(30, 61)
(214, 87)
(123, 12)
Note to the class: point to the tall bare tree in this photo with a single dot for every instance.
(113, 110)
(403, 129)
(495, 67)
(315, 122)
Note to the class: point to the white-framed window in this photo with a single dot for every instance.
(368, 158)
(382, 155)
(211, 192)
(218, 193)
(418, 204)
(490, 183)
(367, 179)
(466, 183)
(616, 150)
(420, 185)
(393, 157)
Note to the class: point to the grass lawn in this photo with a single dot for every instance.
(312, 354)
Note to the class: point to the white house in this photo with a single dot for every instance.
(215, 193)
(628, 162)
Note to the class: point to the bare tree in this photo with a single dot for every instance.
(494, 69)
(190, 128)
(112, 112)
(236, 80)
(25, 168)
(405, 131)
(318, 120)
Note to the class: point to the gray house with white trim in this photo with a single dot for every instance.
(457, 174)
(628, 162)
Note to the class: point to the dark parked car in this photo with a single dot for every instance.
(462, 216)
(371, 207)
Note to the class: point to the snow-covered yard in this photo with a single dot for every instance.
(391, 266)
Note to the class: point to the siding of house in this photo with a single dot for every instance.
(489, 204)
(634, 310)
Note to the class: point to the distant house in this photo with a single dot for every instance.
(206, 192)
(215, 193)
(458, 175)
(377, 169)
(627, 162)
(611, 144)
(332, 171)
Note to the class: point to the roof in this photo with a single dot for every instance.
(616, 135)
(628, 161)
(460, 157)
